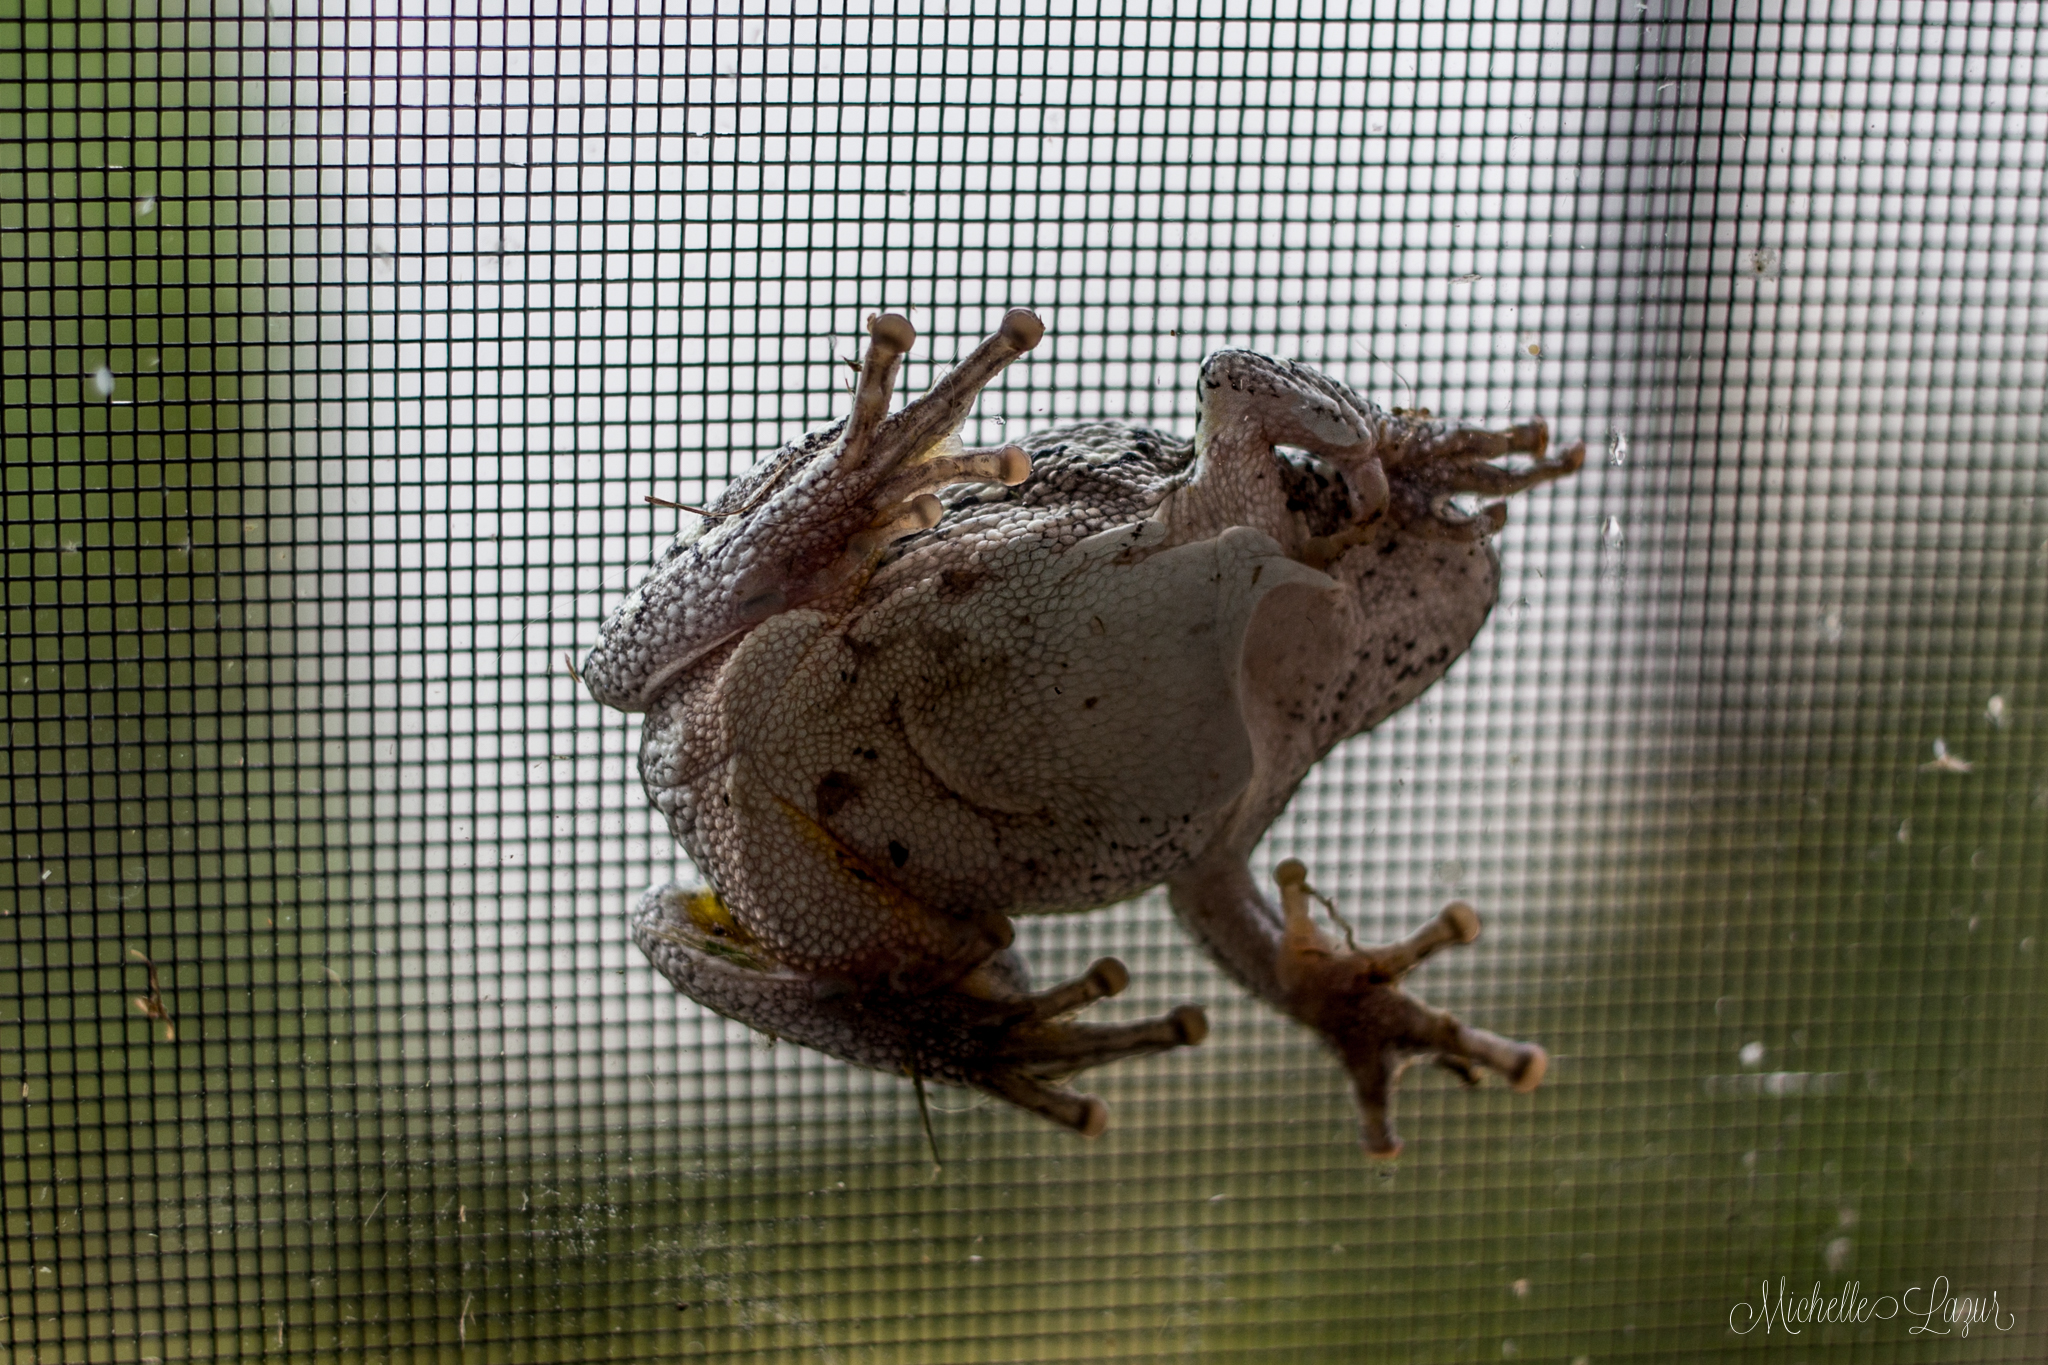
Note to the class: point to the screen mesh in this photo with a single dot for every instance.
(344, 343)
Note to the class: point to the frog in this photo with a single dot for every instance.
(898, 692)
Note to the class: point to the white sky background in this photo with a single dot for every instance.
(561, 264)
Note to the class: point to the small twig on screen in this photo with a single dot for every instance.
(924, 1112)
(152, 1004)
(654, 501)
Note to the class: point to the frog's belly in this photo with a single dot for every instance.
(1062, 731)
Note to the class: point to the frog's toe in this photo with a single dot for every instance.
(984, 1032)
(1084, 1114)
(1029, 1064)
(1436, 464)
(1353, 997)
(1061, 1049)
(1028, 1045)
(888, 467)
(1438, 442)
(1105, 977)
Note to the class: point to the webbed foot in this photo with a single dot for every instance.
(1429, 463)
(881, 482)
(1353, 997)
(816, 520)
(984, 1032)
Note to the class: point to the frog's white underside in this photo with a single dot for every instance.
(1142, 747)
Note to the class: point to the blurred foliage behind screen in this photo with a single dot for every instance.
(342, 346)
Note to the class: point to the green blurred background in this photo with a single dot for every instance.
(339, 353)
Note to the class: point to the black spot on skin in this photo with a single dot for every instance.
(1089, 705)
(959, 582)
(898, 854)
(835, 789)
(1315, 490)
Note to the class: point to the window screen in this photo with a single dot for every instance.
(344, 343)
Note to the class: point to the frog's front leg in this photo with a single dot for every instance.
(1351, 996)
(812, 525)
(987, 1031)
(1399, 465)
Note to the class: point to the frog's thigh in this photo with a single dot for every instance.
(843, 757)
(1119, 690)
(814, 902)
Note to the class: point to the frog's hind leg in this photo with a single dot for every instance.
(1044, 1048)
(984, 1032)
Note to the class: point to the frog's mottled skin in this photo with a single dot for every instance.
(883, 723)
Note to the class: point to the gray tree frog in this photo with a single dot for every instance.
(899, 692)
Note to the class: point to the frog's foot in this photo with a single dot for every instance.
(1428, 464)
(882, 480)
(1353, 997)
(1023, 1048)
(985, 1032)
(814, 521)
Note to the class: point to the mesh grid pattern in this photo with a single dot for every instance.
(342, 346)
